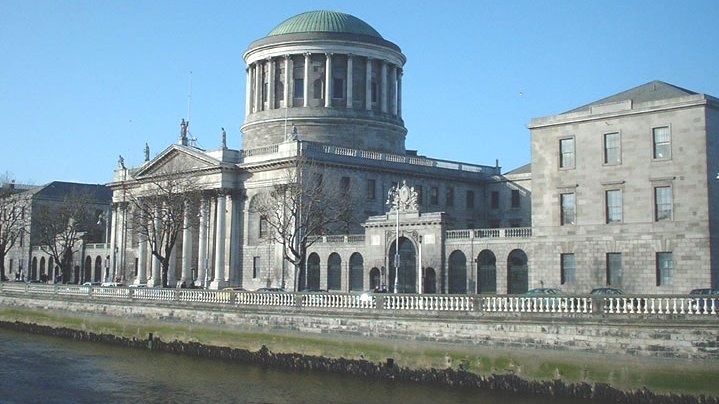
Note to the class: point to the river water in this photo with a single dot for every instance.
(41, 369)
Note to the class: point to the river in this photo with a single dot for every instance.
(45, 369)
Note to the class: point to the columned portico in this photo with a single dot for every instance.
(220, 231)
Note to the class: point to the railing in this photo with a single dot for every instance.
(690, 305)
(509, 232)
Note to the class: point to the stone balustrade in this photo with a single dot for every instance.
(617, 306)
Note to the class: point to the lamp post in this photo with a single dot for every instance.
(393, 201)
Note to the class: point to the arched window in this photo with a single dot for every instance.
(318, 89)
(356, 272)
(486, 272)
(334, 272)
(313, 272)
(375, 279)
(457, 281)
(429, 283)
(517, 279)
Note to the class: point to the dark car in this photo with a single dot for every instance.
(706, 297)
(606, 291)
(273, 290)
(539, 298)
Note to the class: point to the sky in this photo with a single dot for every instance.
(84, 81)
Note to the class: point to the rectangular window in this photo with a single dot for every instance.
(263, 227)
(255, 267)
(568, 211)
(371, 190)
(665, 268)
(663, 203)
(434, 195)
(614, 269)
(569, 268)
(418, 189)
(299, 88)
(449, 200)
(662, 141)
(494, 203)
(612, 148)
(338, 87)
(515, 198)
(470, 199)
(566, 153)
(613, 200)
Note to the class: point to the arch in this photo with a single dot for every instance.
(42, 266)
(457, 273)
(356, 271)
(318, 89)
(87, 269)
(375, 278)
(313, 272)
(97, 272)
(334, 272)
(486, 272)
(407, 280)
(429, 283)
(518, 277)
(33, 269)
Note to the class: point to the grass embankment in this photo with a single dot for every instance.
(625, 372)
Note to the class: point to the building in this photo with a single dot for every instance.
(54, 222)
(614, 195)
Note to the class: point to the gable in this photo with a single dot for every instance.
(176, 159)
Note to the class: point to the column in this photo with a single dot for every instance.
(219, 280)
(141, 256)
(186, 247)
(155, 267)
(368, 85)
(306, 90)
(258, 86)
(270, 83)
(393, 90)
(248, 90)
(172, 268)
(114, 248)
(328, 80)
(348, 93)
(202, 262)
(399, 93)
(383, 84)
(288, 82)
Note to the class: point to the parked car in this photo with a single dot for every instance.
(271, 290)
(705, 298)
(236, 289)
(606, 291)
(138, 285)
(111, 284)
(92, 284)
(538, 298)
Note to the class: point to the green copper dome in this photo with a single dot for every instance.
(324, 21)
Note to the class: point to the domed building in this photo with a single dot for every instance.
(324, 194)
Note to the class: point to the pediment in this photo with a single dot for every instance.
(176, 159)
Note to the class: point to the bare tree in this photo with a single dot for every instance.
(301, 209)
(61, 226)
(14, 220)
(160, 213)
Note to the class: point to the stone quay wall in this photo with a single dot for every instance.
(684, 336)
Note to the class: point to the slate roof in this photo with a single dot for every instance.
(652, 91)
(57, 190)
(324, 21)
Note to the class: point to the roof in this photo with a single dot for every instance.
(525, 169)
(58, 190)
(652, 91)
(324, 21)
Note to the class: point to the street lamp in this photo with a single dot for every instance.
(400, 198)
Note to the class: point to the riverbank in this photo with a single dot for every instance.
(558, 373)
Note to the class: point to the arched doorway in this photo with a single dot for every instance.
(42, 268)
(356, 272)
(407, 280)
(518, 276)
(334, 272)
(33, 268)
(87, 269)
(313, 272)
(97, 273)
(457, 282)
(375, 279)
(486, 272)
(429, 283)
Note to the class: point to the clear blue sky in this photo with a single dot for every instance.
(82, 82)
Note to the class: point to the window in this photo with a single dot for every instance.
(568, 212)
(663, 203)
(665, 268)
(494, 203)
(338, 88)
(449, 197)
(418, 189)
(515, 198)
(614, 269)
(371, 190)
(263, 227)
(566, 153)
(612, 148)
(434, 195)
(613, 200)
(470, 199)
(569, 268)
(662, 142)
(299, 88)
(255, 267)
(318, 89)
(264, 92)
